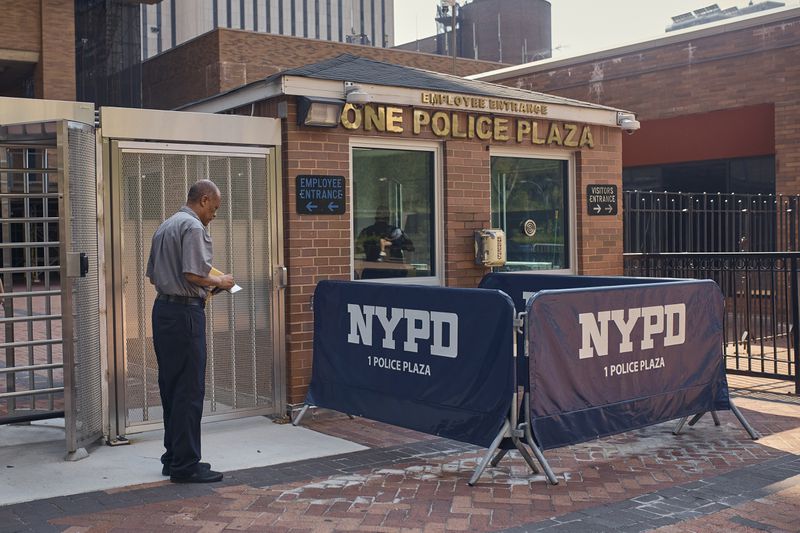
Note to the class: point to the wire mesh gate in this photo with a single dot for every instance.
(48, 219)
(149, 183)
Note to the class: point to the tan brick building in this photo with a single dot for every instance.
(35, 60)
(439, 157)
(726, 92)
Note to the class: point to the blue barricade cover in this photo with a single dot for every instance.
(521, 286)
(445, 367)
(611, 359)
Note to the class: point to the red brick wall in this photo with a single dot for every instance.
(467, 194)
(319, 247)
(224, 59)
(186, 73)
(745, 67)
(599, 237)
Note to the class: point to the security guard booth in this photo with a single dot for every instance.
(436, 158)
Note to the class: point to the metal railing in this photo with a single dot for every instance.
(761, 325)
(663, 222)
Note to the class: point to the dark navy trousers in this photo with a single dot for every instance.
(179, 336)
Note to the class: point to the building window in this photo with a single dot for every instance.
(746, 175)
(530, 202)
(316, 18)
(329, 35)
(341, 22)
(394, 215)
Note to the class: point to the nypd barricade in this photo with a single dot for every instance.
(430, 359)
(607, 355)
(604, 356)
(522, 286)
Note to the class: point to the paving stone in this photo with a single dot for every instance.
(635, 481)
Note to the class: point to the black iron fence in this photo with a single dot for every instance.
(658, 222)
(762, 314)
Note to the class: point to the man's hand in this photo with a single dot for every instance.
(226, 282)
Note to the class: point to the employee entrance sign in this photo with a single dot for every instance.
(320, 195)
(601, 199)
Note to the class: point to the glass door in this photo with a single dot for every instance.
(530, 202)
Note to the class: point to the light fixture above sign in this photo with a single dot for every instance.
(317, 111)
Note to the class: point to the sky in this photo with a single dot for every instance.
(579, 26)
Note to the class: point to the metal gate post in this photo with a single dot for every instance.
(8, 280)
(795, 324)
(67, 314)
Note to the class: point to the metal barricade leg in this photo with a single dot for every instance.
(715, 417)
(679, 425)
(498, 457)
(525, 455)
(745, 424)
(696, 418)
(300, 415)
(486, 458)
(548, 472)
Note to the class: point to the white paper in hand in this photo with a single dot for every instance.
(235, 289)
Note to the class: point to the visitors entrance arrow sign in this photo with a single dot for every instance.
(601, 199)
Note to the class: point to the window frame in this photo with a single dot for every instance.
(433, 147)
(571, 193)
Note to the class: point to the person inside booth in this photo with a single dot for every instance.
(383, 242)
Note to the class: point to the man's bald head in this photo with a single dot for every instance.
(204, 199)
(200, 189)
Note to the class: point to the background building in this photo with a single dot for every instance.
(36, 62)
(713, 13)
(507, 31)
(718, 104)
(107, 49)
(224, 59)
(169, 23)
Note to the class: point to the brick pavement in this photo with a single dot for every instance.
(707, 479)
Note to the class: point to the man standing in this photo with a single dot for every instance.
(180, 269)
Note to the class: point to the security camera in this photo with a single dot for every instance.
(628, 122)
(355, 94)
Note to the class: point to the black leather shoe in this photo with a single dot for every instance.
(201, 466)
(201, 476)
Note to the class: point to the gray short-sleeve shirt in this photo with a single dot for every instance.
(180, 245)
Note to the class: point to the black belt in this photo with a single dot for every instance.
(183, 300)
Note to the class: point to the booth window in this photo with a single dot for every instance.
(393, 214)
(530, 202)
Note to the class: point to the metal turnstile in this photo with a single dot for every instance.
(50, 361)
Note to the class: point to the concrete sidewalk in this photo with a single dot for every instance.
(33, 466)
(707, 479)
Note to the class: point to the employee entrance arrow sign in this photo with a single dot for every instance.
(320, 195)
